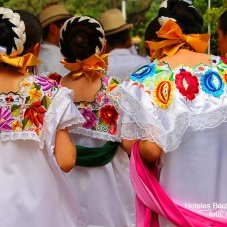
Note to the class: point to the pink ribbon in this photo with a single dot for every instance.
(152, 200)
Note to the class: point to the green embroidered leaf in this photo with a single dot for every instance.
(46, 101)
(171, 77)
(27, 99)
(27, 123)
(37, 86)
(114, 81)
(15, 110)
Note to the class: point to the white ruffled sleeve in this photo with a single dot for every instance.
(61, 114)
(144, 120)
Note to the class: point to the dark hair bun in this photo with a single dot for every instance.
(186, 16)
(81, 37)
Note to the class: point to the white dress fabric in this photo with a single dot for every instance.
(34, 191)
(184, 110)
(105, 193)
(50, 57)
(122, 62)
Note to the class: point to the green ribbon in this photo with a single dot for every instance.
(96, 156)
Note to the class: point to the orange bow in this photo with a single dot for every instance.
(92, 67)
(174, 40)
(21, 62)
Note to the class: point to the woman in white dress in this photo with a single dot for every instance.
(177, 107)
(34, 115)
(101, 177)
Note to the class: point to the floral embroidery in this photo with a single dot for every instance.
(113, 83)
(142, 73)
(5, 119)
(25, 110)
(224, 76)
(163, 93)
(109, 115)
(212, 83)
(100, 115)
(187, 84)
(34, 114)
(90, 117)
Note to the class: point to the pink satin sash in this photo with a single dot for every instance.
(152, 200)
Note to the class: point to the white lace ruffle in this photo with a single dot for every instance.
(94, 134)
(145, 124)
(21, 135)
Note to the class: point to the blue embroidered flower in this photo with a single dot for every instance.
(212, 83)
(142, 73)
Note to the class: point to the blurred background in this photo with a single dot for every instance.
(138, 12)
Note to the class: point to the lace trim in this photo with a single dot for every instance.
(94, 134)
(78, 122)
(22, 135)
(146, 127)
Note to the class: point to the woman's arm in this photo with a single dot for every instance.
(149, 151)
(65, 150)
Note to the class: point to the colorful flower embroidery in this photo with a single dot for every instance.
(35, 94)
(26, 109)
(46, 83)
(212, 83)
(100, 115)
(5, 119)
(142, 73)
(187, 84)
(35, 113)
(224, 76)
(90, 117)
(163, 93)
(109, 115)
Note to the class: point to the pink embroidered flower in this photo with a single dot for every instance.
(46, 83)
(187, 84)
(5, 119)
(99, 96)
(90, 118)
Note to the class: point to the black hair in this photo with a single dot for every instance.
(80, 38)
(222, 22)
(7, 34)
(33, 29)
(187, 17)
(118, 38)
(152, 28)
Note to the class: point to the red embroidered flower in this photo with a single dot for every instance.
(55, 76)
(108, 114)
(187, 84)
(224, 59)
(35, 113)
(113, 129)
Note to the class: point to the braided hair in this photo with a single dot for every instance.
(185, 15)
(12, 35)
(80, 38)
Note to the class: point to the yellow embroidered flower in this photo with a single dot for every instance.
(16, 126)
(35, 94)
(111, 87)
(163, 93)
(224, 76)
(26, 84)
